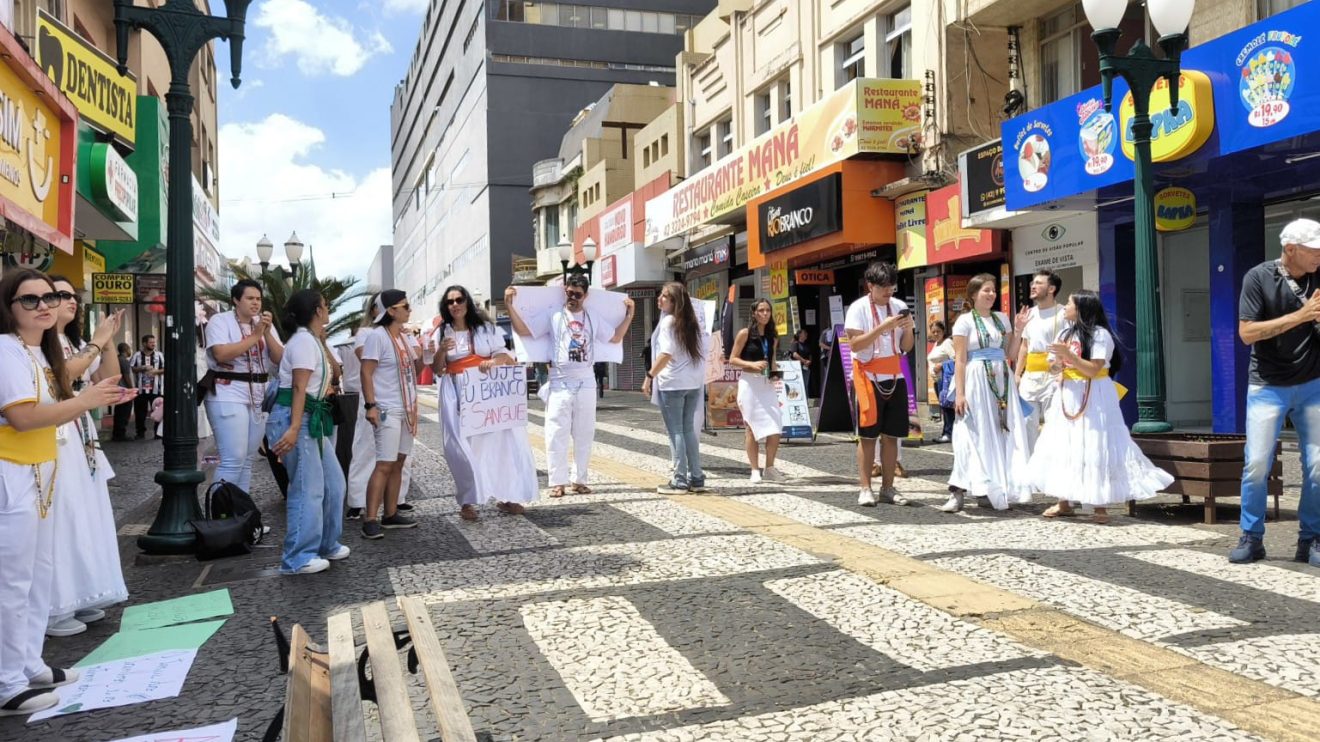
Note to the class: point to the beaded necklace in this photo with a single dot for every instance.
(407, 383)
(875, 349)
(991, 375)
(43, 504)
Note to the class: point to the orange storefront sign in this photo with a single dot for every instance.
(813, 277)
(946, 239)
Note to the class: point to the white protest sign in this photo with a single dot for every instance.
(536, 306)
(493, 400)
(215, 733)
(124, 682)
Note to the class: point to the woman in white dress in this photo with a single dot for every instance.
(753, 353)
(88, 574)
(488, 467)
(1089, 456)
(990, 448)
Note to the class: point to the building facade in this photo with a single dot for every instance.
(380, 276)
(489, 92)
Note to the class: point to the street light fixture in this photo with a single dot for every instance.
(264, 250)
(1142, 70)
(568, 258)
(293, 250)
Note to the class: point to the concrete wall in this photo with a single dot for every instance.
(665, 137)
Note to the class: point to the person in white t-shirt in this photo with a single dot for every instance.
(879, 329)
(570, 396)
(300, 430)
(679, 373)
(242, 349)
(1040, 327)
(391, 361)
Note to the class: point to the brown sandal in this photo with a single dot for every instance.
(468, 512)
(557, 491)
(1059, 511)
(511, 508)
(581, 489)
(1100, 519)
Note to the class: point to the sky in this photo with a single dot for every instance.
(304, 142)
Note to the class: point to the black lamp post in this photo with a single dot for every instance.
(1142, 69)
(182, 31)
(568, 261)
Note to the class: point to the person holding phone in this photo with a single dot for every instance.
(753, 353)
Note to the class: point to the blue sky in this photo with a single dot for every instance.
(305, 144)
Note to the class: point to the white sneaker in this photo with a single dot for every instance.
(866, 498)
(756, 476)
(91, 615)
(955, 503)
(67, 627)
(772, 474)
(54, 677)
(341, 553)
(890, 496)
(312, 567)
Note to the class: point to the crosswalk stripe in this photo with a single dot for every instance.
(1018, 533)
(804, 510)
(613, 660)
(909, 632)
(1290, 661)
(495, 534)
(1269, 578)
(1122, 609)
(586, 567)
(673, 518)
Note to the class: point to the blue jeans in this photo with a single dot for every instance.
(316, 493)
(678, 409)
(1266, 408)
(237, 429)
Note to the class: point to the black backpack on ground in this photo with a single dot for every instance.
(232, 523)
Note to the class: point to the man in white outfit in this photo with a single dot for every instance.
(570, 400)
(1044, 322)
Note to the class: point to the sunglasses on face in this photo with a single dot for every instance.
(405, 307)
(574, 295)
(30, 301)
(455, 302)
(66, 296)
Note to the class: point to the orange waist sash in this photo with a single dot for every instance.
(465, 363)
(868, 409)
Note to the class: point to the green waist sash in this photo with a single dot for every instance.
(320, 423)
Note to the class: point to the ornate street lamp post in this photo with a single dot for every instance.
(182, 31)
(293, 250)
(568, 261)
(265, 248)
(1142, 69)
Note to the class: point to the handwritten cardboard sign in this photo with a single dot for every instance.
(491, 401)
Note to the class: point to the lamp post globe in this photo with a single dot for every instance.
(265, 249)
(589, 250)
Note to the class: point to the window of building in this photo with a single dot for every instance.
(664, 145)
(550, 226)
(705, 155)
(851, 55)
(1267, 8)
(898, 44)
(1060, 60)
(472, 33)
(785, 100)
(589, 16)
(725, 129)
(765, 112)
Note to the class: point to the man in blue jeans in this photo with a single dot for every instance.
(1279, 317)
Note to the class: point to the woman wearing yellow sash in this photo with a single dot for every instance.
(1089, 457)
(301, 429)
(35, 399)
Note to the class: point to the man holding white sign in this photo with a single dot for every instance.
(572, 338)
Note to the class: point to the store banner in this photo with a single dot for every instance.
(1174, 134)
(88, 77)
(114, 185)
(708, 258)
(779, 308)
(793, 402)
(910, 227)
(1058, 245)
(616, 228)
(813, 277)
(863, 117)
(981, 171)
(779, 279)
(802, 214)
(113, 288)
(934, 298)
(946, 239)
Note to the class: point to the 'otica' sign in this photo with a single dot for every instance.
(1174, 134)
(1175, 209)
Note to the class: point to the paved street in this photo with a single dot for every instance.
(770, 612)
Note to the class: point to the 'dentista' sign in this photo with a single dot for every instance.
(89, 78)
(1174, 134)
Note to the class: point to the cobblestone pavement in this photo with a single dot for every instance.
(779, 611)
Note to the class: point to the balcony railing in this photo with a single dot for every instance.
(547, 172)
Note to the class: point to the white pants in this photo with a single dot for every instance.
(570, 412)
(238, 429)
(363, 463)
(27, 563)
(1037, 391)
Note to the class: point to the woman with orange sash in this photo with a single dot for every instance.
(990, 446)
(487, 467)
(36, 398)
(1089, 456)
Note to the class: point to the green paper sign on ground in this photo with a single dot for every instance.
(128, 644)
(176, 611)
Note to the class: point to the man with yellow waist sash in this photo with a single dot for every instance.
(1044, 321)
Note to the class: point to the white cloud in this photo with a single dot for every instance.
(406, 6)
(319, 43)
(269, 185)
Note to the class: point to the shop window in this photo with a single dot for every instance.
(1267, 8)
(765, 111)
(725, 129)
(851, 55)
(898, 44)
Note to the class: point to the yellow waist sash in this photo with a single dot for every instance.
(1073, 374)
(1038, 363)
(27, 447)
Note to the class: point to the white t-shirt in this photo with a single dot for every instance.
(351, 380)
(16, 377)
(682, 371)
(224, 329)
(966, 327)
(1102, 346)
(1043, 328)
(488, 339)
(860, 317)
(379, 346)
(574, 338)
(303, 352)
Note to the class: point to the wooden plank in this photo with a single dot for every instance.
(298, 690)
(450, 714)
(321, 727)
(346, 695)
(1230, 470)
(1217, 488)
(396, 714)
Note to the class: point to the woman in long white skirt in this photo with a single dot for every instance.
(1088, 455)
(88, 573)
(990, 448)
(753, 353)
(488, 467)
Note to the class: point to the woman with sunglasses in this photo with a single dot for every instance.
(488, 467)
(753, 353)
(679, 373)
(36, 398)
(391, 361)
(88, 576)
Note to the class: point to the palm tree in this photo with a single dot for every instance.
(342, 295)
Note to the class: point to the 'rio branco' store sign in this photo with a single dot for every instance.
(37, 144)
(864, 116)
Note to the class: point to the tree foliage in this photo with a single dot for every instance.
(342, 295)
